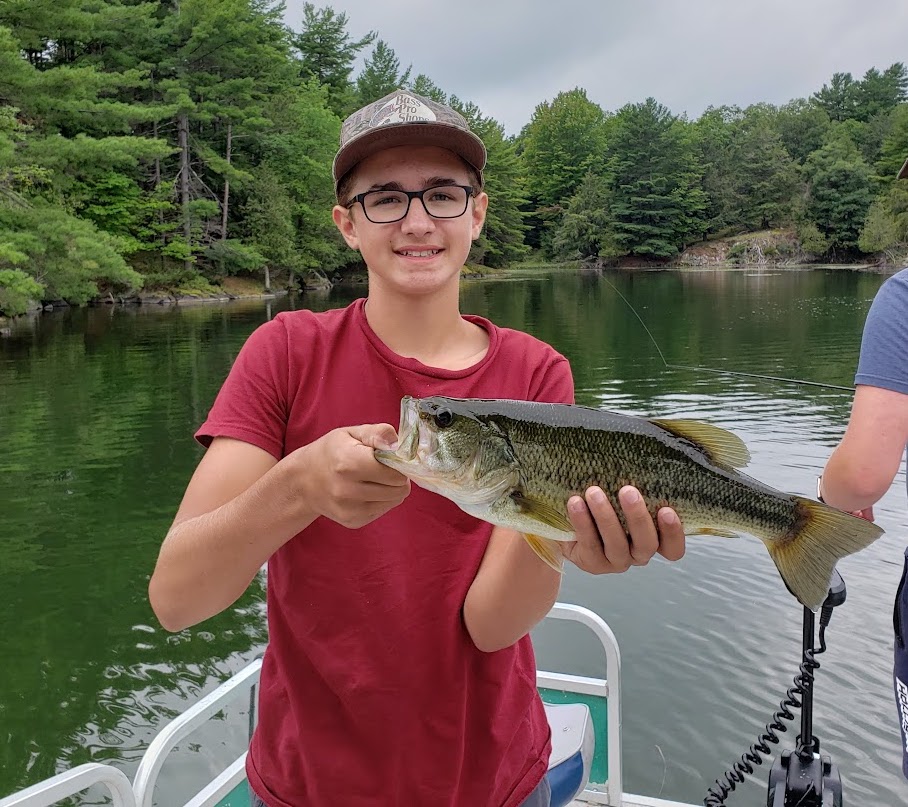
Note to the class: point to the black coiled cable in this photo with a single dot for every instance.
(726, 784)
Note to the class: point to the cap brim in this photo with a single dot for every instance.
(903, 174)
(464, 144)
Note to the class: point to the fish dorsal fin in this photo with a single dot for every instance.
(721, 446)
(542, 511)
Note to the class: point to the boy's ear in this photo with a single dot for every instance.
(480, 205)
(343, 220)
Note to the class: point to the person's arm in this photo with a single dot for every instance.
(241, 505)
(512, 591)
(865, 462)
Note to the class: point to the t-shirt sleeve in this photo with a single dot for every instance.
(556, 384)
(252, 405)
(884, 346)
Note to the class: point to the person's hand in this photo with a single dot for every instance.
(866, 513)
(340, 478)
(602, 545)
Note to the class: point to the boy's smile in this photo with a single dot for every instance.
(419, 253)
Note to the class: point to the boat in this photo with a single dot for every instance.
(584, 713)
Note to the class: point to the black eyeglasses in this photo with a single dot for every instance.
(440, 202)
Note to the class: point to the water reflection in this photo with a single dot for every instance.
(97, 409)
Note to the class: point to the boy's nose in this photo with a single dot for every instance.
(417, 218)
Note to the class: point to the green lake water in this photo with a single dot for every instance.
(97, 411)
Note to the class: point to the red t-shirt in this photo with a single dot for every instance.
(372, 691)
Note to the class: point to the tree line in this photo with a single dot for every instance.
(167, 144)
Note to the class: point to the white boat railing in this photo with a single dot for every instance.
(74, 781)
(608, 687)
(180, 727)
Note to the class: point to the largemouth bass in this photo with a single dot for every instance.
(516, 464)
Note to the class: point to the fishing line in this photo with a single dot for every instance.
(713, 369)
(764, 377)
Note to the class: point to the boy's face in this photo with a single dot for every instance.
(395, 252)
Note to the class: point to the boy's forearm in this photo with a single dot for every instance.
(207, 562)
(845, 489)
(865, 462)
(511, 593)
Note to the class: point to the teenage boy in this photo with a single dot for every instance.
(398, 670)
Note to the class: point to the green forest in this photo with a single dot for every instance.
(171, 144)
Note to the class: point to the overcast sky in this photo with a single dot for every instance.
(509, 55)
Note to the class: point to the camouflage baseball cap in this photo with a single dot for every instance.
(403, 118)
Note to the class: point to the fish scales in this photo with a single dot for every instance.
(562, 453)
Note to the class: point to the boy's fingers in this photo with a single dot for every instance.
(615, 543)
(586, 552)
(584, 527)
(644, 537)
(672, 542)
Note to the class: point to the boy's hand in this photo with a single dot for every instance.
(602, 545)
(866, 513)
(340, 478)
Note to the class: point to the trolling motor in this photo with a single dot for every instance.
(803, 777)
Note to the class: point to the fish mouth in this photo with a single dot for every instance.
(413, 443)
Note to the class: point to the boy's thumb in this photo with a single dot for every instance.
(376, 435)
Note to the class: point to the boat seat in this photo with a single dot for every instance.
(573, 743)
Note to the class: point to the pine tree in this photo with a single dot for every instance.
(714, 136)
(380, 75)
(563, 141)
(764, 176)
(881, 92)
(227, 59)
(840, 191)
(803, 126)
(658, 204)
(839, 98)
(327, 53)
(585, 226)
(424, 86)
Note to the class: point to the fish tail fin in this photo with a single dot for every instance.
(547, 550)
(807, 559)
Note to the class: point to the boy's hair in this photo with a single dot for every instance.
(403, 118)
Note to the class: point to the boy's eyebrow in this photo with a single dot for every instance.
(429, 183)
(441, 181)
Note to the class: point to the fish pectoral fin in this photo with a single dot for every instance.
(542, 512)
(714, 531)
(807, 559)
(547, 550)
(721, 446)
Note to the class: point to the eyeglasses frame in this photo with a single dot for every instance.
(411, 195)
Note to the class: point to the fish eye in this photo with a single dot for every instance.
(444, 418)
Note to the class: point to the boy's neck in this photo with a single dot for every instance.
(429, 329)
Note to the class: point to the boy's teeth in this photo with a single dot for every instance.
(425, 253)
